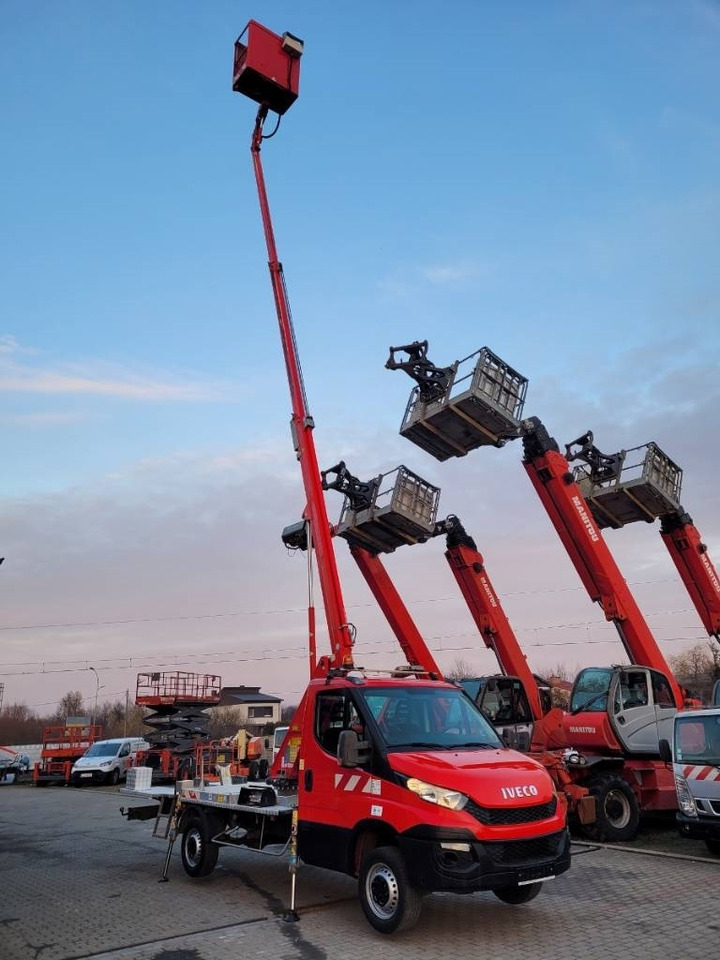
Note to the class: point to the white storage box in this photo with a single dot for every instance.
(139, 778)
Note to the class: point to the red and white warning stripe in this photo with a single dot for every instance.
(352, 782)
(701, 773)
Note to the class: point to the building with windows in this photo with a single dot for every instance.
(254, 709)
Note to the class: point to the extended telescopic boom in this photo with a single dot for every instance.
(266, 69)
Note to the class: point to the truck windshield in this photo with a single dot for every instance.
(429, 717)
(697, 740)
(108, 749)
(590, 692)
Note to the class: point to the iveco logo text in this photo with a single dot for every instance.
(488, 591)
(512, 793)
(583, 730)
(592, 532)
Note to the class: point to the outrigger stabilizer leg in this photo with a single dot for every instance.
(291, 915)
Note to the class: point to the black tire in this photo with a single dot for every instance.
(254, 770)
(197, 851)
(114, 777)
(617, 812)
(389, 900)
(517, 895)
(713, 846)
(263, 769)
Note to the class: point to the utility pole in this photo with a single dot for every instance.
(97, 690)
(127, 702)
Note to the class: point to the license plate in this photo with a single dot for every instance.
(85, 774)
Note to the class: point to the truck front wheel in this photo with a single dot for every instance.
(388, 899)
(713, 846)
(617, 813)
(197, 851)
(517, 895)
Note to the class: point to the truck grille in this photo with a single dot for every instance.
(518, 851)
(497, 816)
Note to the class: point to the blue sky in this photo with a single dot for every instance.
(538, 177)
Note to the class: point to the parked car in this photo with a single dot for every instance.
(107, 761)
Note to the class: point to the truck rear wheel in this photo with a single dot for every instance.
(389, 900)
(617, 813)
(197, 851)
(517, 894)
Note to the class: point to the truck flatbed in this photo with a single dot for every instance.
(217, 796)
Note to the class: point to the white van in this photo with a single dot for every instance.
(107, 761)
(695, 756)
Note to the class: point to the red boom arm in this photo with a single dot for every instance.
(302, 427)
(690, 556)
(487, 612)
(552, 478)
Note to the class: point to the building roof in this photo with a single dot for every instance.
(233, 696)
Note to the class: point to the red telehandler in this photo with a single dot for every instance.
(396, 777)
(617, 715)
(643, 483)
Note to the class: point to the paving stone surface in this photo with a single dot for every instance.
(77, 881)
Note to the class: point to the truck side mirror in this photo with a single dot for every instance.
(352, 751)
(665, 752)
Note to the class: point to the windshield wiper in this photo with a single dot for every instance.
(425, 743)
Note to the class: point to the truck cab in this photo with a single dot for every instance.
(623, 710)
(695, 756)
(414, 767)
(503, 701)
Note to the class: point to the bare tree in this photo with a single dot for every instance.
(697, 668)
(460, 669)
(71, 705)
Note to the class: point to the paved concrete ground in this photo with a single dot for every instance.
(77, 880)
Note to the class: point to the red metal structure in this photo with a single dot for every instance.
(302, 425)
(617, 715)
(346, 758)
(643, 483)
(62, 745)
(178, 722)
(555, 485)
(690, 556)
(177, 688)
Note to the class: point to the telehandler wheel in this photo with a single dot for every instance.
(713, 846)
(616, 809)
(389, 900)
(517, 895)
(197, 851)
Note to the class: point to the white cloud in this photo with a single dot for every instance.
(39, 420)
(451, 273)
(98, 378)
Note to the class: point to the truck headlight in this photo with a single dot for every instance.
(452, 799)
(685, 798)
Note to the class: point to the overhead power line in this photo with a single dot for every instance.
(128, 621)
